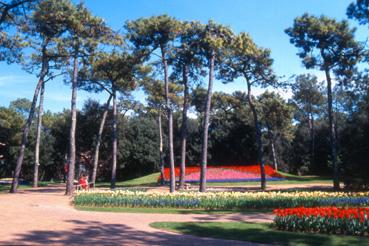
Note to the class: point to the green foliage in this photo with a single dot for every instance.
(42, 33)
(243, 58)
(112, 71)
(51, 18)
(214, 39)
(13, 14)
(85, 33)
(276, 115)
(153, 32)
(11, 124)
(325, 43)
(354, 142)
(138, 141)
(21, 106)
(155, 90)
(187, 53)
(308, 97)
(14, 11)
(299, 157)
(276, 119)
(231, 132)
(359, 10)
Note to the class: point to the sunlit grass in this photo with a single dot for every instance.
(257, 233)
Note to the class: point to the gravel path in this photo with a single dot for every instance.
(45, 216)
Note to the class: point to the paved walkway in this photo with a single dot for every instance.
(45, 216)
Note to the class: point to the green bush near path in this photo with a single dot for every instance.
(258, 233)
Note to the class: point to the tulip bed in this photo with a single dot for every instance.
(331, 220)
(235, 173)
(217, 200)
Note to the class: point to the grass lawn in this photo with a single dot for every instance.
(6, 187)
(151, 180)
(148, 180)
(258, 233)
(170, 210)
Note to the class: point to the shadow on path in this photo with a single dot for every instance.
(59, 190)
(98, 233)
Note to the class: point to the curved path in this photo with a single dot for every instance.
(45, 216)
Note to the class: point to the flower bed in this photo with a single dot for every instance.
(213, 200)
(226, 174)
(350, 221)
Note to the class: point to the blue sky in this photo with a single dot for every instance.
(265, 20)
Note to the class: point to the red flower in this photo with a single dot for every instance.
(360, 214)
(246, 170)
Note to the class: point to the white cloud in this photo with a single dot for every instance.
(15, 79)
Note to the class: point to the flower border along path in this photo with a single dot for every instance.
(218, 200)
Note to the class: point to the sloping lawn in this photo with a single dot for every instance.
(148, 180)
(151, 180)
(258, 233)
(290, 179)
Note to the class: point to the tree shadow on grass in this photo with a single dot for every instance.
(262, 233)
(98, 233)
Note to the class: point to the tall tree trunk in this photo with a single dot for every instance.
(170, 122)
(26, 128)
(72, 131)
(115, 141)
(312, 139)
(38, 136)
(184, 129)
(272, 147)
(204, 150)
(274, 155)
(332, 132)
(258, 135)
(98, 140)
(161, 164)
